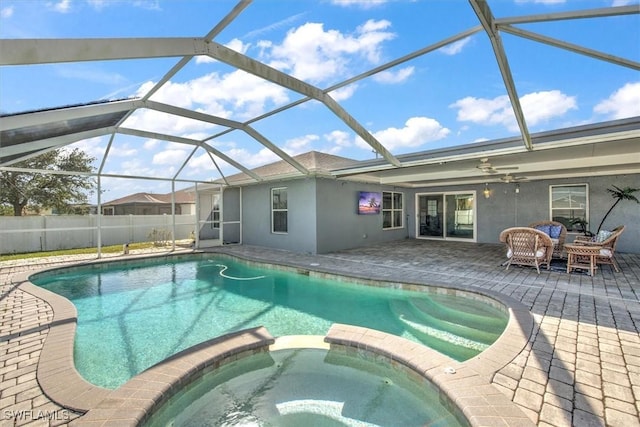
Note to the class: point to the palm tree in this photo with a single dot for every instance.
(619, 194)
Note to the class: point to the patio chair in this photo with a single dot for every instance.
(558, 233)
(527, 246)
(607, 241)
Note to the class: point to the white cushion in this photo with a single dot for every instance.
(605, 252)
(539, 253)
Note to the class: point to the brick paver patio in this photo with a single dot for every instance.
(580, 366)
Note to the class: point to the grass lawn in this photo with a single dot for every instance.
(105, 249)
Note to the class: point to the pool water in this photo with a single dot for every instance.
(132, 315)
(308, 387)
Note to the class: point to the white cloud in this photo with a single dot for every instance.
(300, 144)
(236, 94)
(416, 132)
(63, 6)
(621, 2)
(147, 4)
(173, 156)
(363, 4)
(137, 166)
(98, 4)
(625, 102)
(537, 107)
(339, 138)
(479, 110)
(151, 144)
(390, 77)
(455, 47)
(141, 4)
(276, 25)
(6, 12)
(238, 46)
(345, 92)
(312, 54)
(308, 52)
(249, 159)
(93, 147)
(123, 150)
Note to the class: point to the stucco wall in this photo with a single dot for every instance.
(256, 216)
(231, 215)
(340, 226)
(323, 212)
(506, 208)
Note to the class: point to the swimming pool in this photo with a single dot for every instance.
(133, 314)
(311, 387)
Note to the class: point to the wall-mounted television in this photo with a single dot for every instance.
(369, 203)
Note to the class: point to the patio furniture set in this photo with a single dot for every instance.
(540, 242)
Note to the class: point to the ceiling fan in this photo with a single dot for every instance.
(486, 167)
(507, 178)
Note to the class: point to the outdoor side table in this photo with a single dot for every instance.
(582, 257)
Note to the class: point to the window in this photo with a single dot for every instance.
(279, 212)
(392, 208)
(570, 206)
(215, 211)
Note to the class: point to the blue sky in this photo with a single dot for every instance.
(448, 97)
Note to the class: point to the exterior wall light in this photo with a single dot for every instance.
(486, 191)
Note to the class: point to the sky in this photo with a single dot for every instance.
(448, 97)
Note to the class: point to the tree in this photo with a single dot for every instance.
(619, 194)
(37, 190)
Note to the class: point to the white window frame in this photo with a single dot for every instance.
(586, 208)
(216, 212)
(393, 210)
(445, 235)
(273, 210)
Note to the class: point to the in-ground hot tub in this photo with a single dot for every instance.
(307, 387)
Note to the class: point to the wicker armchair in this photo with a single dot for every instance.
(607, 247)
(527, 246)
(559, 240)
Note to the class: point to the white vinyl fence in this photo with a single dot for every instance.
(48, 233)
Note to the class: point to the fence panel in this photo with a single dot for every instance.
(46, 233)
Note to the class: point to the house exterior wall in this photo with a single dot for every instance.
(339, 225)
(231, 215)
(323, 212)
(506, 208)
(256, 216)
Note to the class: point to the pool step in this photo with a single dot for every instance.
(458, 347)
(454, 327)
(494, 325)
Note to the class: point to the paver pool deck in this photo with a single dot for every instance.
(580, 365)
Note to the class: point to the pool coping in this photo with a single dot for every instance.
(469, 388)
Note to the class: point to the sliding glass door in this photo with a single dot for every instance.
(446, 215)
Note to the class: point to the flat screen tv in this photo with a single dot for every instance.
(369, 203)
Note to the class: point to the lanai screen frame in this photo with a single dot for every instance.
(39, 51)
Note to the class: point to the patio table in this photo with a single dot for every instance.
(582, 257)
